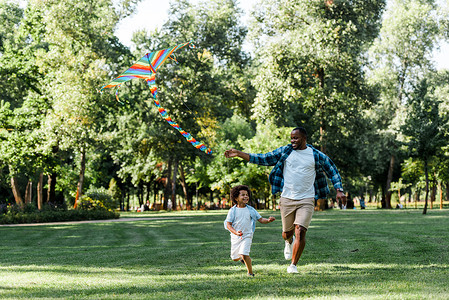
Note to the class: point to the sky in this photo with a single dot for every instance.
(151, 14)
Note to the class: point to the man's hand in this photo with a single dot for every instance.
(236, 153)
(231, 153)
(341, 197)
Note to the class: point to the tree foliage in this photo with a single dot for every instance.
(357, 74)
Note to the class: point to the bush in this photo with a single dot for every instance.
(50, 213)
(104, 196)
(3, 208)
(87, 203)
(58, 216)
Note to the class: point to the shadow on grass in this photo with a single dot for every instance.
(190, 259)
(201, 283)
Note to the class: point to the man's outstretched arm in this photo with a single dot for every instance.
(267, 159)
(236, 153)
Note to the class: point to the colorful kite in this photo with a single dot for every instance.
(145, 68)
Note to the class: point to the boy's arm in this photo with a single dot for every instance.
(231, 229)
(265, 221)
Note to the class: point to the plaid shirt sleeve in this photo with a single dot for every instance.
(274, 158)
(267, 159)
(332, 172)
(324, 163)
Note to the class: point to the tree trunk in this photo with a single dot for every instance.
(148, 189)
(388, 186)
(79, 190)
(427, 187)
(122, 200)
(447, 191)
(127, 199)
(140, 193)
(167, 185)
(184, 188)
(418, 191)
(51, 192)
(321, 114)
(40, 192)
(173, 184)
(16, 191)
(440, 189)
(434, 192)
(29, 192)
(156, 193)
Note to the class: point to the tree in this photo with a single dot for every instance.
(423, 128)
(78, 45)
(400, 56)
(311, 62)
(202, 89)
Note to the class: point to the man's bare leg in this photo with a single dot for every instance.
(287, 235)
(299, 244)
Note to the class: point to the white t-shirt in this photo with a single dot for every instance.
(242, 221)
(299, 175)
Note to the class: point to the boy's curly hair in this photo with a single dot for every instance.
(235, 191)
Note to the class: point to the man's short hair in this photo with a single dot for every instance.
(302, 130)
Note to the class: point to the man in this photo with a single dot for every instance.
(298, 175)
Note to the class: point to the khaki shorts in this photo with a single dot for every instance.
(296, 212)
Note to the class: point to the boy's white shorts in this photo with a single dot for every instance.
(240, 246)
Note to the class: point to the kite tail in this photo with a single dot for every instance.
(116, 96)
(167, 118)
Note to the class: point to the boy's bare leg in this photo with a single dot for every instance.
(248, 264)
(299, 244)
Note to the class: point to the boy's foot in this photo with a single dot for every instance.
(250, 275)
(292, 269)
(288, 250)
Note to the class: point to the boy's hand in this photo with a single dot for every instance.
(239, 233)
(271, 219)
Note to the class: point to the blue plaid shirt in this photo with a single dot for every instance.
(276, 158)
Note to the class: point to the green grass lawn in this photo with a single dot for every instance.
(371, 254)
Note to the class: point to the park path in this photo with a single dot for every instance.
(93, 221)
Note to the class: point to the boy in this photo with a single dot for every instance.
(241, 222)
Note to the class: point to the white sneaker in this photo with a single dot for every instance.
(292, 269)
(288, 250)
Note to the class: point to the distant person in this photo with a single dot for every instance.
(146, 207)
(362, 203)
(241, 222)
(298, 174)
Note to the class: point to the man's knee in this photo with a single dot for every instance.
(288, 234)
(300, 231)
